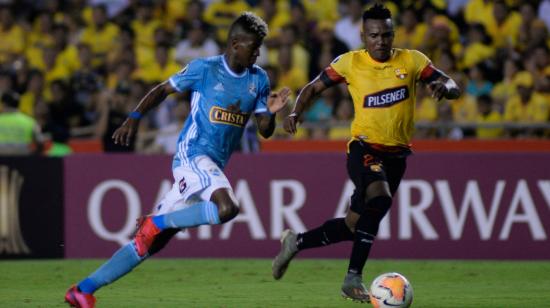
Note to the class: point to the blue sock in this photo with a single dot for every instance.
(203, 213)
(122, 262)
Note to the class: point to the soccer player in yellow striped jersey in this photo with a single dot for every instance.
(382, 82)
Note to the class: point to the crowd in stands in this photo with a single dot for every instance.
(78, 67)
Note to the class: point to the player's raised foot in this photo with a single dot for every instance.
(75, 298)
(288, 251)
(354, 289)
(146, 233)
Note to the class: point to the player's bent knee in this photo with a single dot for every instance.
(375, 211)
(378, 206)
(227, 211)
(351, 220)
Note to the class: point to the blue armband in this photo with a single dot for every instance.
(136, 115)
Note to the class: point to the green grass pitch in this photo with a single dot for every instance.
(248, 283)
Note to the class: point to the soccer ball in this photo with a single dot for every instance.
(391, 290)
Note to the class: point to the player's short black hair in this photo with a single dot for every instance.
(11, 99)
(377, 11)
(249, 23)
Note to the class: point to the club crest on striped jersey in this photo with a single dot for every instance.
(231, 115)
(386, 98)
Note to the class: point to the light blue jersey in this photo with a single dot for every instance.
(221, 104)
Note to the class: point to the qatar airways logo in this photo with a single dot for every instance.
(386, 98)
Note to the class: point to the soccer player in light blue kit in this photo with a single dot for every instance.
(226, 90)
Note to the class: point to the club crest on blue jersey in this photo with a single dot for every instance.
(232, 115)
(386, 98)
(215, 171)
(252, 89)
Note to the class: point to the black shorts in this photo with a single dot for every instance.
(366, 165)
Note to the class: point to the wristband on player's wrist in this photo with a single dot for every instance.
(136, 115)
(293, 115)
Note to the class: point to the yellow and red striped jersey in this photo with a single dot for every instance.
(383, 93)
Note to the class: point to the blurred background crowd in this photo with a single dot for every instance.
(73, 69)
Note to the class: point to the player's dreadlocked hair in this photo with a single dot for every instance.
(250, 23)
(377, 11)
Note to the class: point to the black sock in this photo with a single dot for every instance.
(365, 232)
(332, 231)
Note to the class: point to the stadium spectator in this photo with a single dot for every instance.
(488, 114)
(221, 14)
(538, 64)
(7, 80)
(193, 14)
(289, 39)
(380, 143)
(527, 107)
(339, 126)
(503, 25)
(426, 112)
(529, 21)
(171, 11)
(477, 48)
(113, 109)
(504, 89)
(45, 35)
(478, 11)
(40, 34)
(276, 15)
(324, 47)
(477, 82)
(289, 74)
(348, 28)
(51, 66)
(161, 69)
(440, 36)
(124, 50)
(86, 83)
(121, 76)
(34, 93)
(100, 35)
(12, 36)
(318, 10)
(145, 25)
(19, 133)
(21, 71)
(197, 44)
(302, 24)
(67, 53)
(411, 33)
(273, 73)
(227, 89)
(322, 107)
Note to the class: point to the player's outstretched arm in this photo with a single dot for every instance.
(275, 102)
(153, 98)
(303, 101)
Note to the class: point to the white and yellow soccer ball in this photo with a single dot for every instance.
(391, 290)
